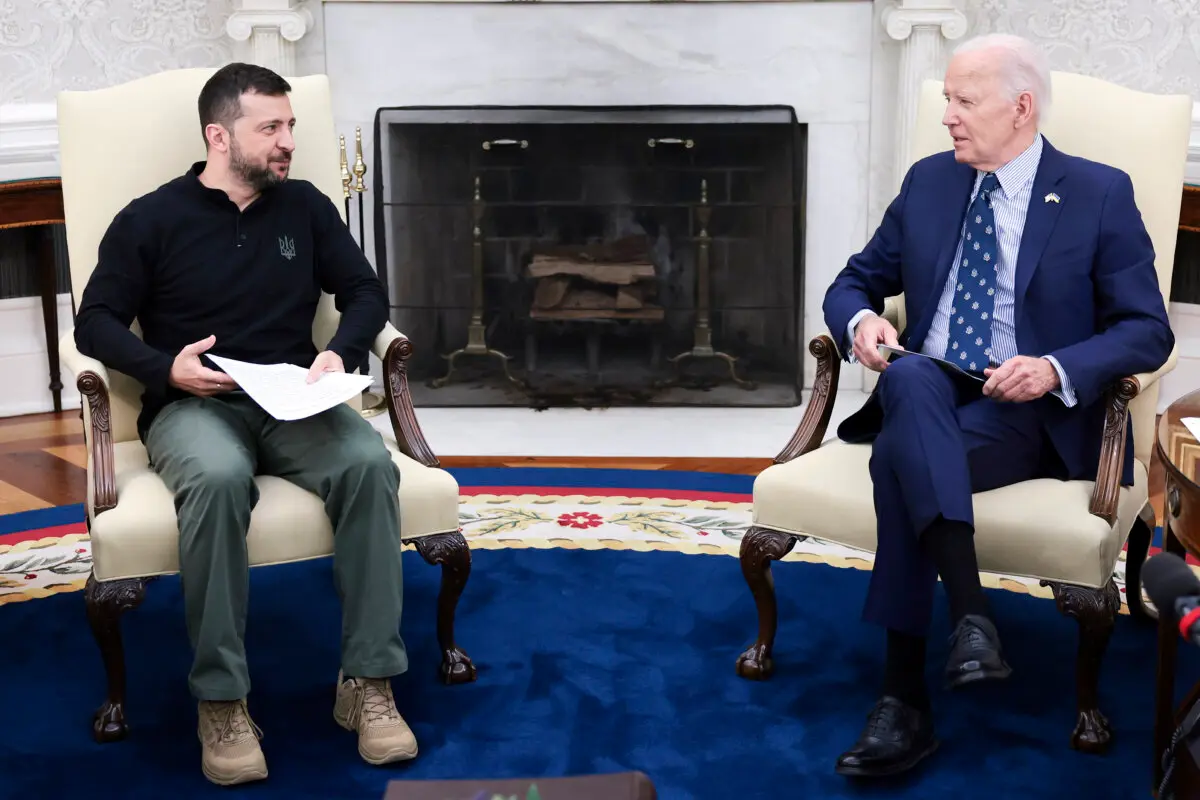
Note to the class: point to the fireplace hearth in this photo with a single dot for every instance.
(594, 256)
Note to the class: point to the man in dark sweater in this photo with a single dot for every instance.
(231, 259)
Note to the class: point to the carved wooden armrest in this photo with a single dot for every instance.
(394, 349)
(1106, 491)
(93, 382)
(94, 388)
(811, 431)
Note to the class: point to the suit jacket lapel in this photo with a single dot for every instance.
(947, 218)
(1039, 223)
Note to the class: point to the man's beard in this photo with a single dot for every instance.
(257, 177)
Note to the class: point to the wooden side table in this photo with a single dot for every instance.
(33, 204)
(1189, 211)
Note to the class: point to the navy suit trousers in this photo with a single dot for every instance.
(940, 441)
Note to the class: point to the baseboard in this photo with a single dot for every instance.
(24, 367)
(70, 402)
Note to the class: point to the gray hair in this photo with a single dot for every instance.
(1023, 67)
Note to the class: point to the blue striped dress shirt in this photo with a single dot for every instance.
(1010, 205)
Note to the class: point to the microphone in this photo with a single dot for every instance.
(1175, 591)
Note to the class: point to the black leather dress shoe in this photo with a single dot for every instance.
(897, 737)
(975, 653)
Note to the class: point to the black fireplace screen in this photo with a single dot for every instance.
(594, 256)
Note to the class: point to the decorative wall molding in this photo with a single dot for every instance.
(28, 141)
(272, 27)
(923, 27)
(901, 19)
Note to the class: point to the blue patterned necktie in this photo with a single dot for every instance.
(974, 293)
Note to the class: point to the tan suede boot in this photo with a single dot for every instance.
(229, 741)
(366, 705)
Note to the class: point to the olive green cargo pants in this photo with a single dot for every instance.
(208, 451)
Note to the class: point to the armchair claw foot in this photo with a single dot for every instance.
(451, 551)
(108, 723)
(456, 667)
(1092, 732)
(1095, 610)
(755, 664)
(106, 601)
(761, 546)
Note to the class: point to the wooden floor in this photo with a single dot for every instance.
(43, 463)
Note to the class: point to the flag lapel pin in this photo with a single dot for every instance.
(1052, 198)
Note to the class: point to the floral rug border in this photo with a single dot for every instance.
(42, 567)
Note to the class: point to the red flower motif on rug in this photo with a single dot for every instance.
(580, 519)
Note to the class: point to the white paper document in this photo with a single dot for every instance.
(1193, 426)
(886, 350)
(283, 392)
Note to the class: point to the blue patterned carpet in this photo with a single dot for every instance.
(589, 661)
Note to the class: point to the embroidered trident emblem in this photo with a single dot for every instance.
(287, 247)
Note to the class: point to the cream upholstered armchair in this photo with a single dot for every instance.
(121, 142)
(1068, 534)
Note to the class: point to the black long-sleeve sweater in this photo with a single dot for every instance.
(186, 263)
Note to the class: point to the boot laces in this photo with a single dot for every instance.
(233, 722)
(373, 703)
(974, 636)
(882, 721)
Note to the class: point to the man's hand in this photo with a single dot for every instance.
(326, 361)
(870, 332)
(190, 375)
(1020, 379)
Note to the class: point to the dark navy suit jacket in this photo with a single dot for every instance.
(1086, 290)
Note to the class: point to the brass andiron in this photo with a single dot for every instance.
(360, 169)
(345, 178)
(373, 403)
(702, 334)
(476, 334)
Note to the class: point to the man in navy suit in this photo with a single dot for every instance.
(1030, 268)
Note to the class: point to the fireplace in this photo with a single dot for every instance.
(594, 256)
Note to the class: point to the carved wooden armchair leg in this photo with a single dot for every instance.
(1096, 612)
(106, 601)
(761, 546)
(448, 549)
(451, 551)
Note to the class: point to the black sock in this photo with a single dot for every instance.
(904, 675)
(951, 546)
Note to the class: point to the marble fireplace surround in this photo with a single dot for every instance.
(812, 56)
